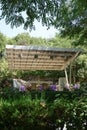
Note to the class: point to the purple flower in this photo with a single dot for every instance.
(76, 86)
(41, 88)
(22, 88)
(53, 87)
(67, 86)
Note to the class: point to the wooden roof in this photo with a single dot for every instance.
(39, 58)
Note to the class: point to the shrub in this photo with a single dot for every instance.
(45, 110)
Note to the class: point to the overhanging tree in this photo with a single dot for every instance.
(70, 15)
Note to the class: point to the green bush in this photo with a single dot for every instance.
(45, 110)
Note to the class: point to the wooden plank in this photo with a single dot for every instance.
(36, 61)
(32, 69)
(25, 53)
(33, 65)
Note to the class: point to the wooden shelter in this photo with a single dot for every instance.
(39, 58)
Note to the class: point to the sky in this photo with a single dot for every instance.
(39, 32)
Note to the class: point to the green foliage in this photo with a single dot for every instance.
(22, 39)
(2, 42)
(61, 42)
(40, 74)
(81, 39)
(5, 74)
(69, 15)
(44, 10)
(42, 110)
(11, 41)
(81, 64)
(25, 39)
(38, 41)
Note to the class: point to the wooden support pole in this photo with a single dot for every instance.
(67, 82)
(70, 74)
(66, 75)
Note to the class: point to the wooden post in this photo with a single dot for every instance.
(70, 73)
(66, 75)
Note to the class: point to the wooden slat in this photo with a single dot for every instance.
(36, 61)
(30, 53)
(35, 68)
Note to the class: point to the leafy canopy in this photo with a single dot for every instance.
(70, 15)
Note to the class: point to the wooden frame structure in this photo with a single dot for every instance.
(39, 58)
